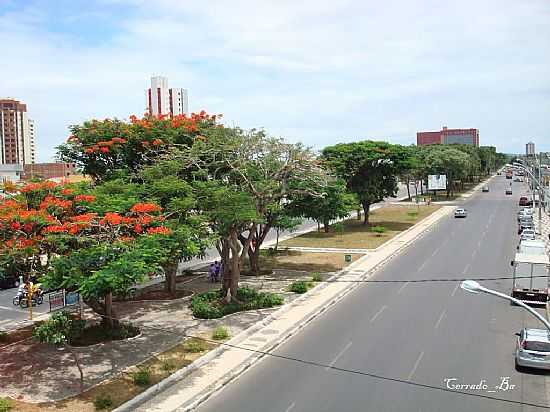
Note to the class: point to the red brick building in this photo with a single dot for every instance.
(449, 136)
(48, 170)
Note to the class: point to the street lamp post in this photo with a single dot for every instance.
(474, 287)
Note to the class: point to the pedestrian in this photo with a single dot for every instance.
(211, 273)
(217, 269)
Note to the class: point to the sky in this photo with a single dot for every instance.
(312, 71)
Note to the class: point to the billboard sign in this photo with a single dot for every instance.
(71, 298)
(437, 182)
(57, 300)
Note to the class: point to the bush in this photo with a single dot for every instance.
(316, 277)
(6, 404)
(103, 401)
(378, 230)
(3, 336)
(220, 333)
(210, 305)
(168, 366)
(195, 345)
(142, 377)
(300, 286)
(338, 227)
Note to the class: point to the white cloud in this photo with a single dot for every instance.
(320, 71)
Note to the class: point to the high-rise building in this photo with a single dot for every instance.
(449, 136)
(164, 100)
(530, 149)
(17, 133)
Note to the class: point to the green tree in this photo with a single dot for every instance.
(369, 168)
(334, 202)
(446, 160)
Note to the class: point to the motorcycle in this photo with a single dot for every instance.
(23, 299)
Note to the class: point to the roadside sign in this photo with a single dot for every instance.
(72, 298)
(437, 182)
(347, 258)
(57, 300)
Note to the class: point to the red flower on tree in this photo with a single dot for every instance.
(159, 230)
(84, 198)
(145, 208)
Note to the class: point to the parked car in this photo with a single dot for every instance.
(509, 191)
(527, 234)
(9, 282)
(518, 180)
(460, 212)
(485, 189)
(525, 201)
(533, 349)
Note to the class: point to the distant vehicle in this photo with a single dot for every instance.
(526, 225)
(518, 179)
(532, 247)
(533, 349)
(526, 210)
(527, 234)
(525, 201)
(460, 212)
(485, 189)
(9, 282)
(525, 215)
(530, 278)
(509, 174)
(509, 191)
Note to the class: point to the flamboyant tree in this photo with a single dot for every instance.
(53, 231)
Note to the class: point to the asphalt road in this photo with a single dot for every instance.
(431, 333)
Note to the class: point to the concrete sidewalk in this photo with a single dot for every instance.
(192, 386)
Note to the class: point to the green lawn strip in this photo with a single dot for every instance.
(356, 235)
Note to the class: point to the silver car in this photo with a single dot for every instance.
(533, 349)
(527, 234)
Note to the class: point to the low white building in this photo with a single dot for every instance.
(11, 172)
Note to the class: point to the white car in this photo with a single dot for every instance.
(533, 349)
(527, 234)
(460, 212)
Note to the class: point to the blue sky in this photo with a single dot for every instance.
(313, 71)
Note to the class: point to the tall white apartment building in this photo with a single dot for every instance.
(164, 100)
(530, 149)
(17, 133)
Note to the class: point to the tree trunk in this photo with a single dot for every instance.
(254, 260)
(408, 190)
(318, 226)
(70, 349)
(234, 264)
(171, 271)
(358, 213)
(108, 316)
(366, 209)
(326, 225)
(277, 240)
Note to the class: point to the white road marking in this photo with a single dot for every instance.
(466, 269)
(338, 356)
(402, 287)
(440, 318)
(377, 313)
(455, 289)
(415, 366)
(291, 407)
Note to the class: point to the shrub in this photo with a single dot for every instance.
(195, 345)
(210, 305)
(103, 401)
(378, 230)
(5, 404)
(3, 336)
(300, 286)
(338, 227)
(316, 277)
(220, 333)
(142, 377)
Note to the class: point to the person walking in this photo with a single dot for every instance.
(217, 269)
(212, 273)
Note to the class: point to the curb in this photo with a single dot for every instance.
(189, 405)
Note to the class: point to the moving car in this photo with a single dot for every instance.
(460, 212)
(533, 348)
(524, 201)
(509, 191)
(485, 189)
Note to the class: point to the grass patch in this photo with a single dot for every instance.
(412, 214)
(356, 235)
(6, 404)
(210, 305)
(300, 286)
(220, 333)
(195, 345)
(98, 333)
(142, 377)
(316, 277)
(103, 401)
(379, 230)
(305, 261)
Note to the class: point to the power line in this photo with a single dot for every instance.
(353, 371)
